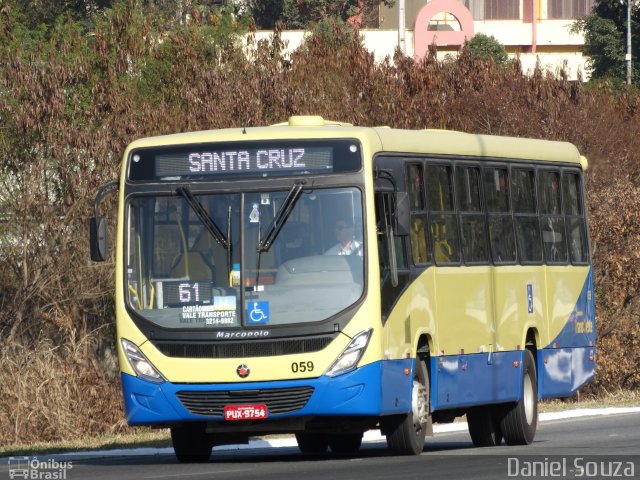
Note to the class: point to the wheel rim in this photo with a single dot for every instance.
(529, 402)
(419, 404)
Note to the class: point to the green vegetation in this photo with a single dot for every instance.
(71, 99)
(605, 32)
(487, 47)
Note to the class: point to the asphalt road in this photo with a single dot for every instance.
(586, 447)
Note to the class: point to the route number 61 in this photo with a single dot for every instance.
(185, 290)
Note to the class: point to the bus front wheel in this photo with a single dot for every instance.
(312, 442)
(520, 420)
(405, 435)
(345, 443)
(191, 443)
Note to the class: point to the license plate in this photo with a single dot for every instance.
(245, 412)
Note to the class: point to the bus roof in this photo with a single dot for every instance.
(385, 139)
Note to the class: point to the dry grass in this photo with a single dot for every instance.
(619, 398)
(56, 392)
(134, 438)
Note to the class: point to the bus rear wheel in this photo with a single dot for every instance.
(345, 443)
(405, 435)
(312, 442)
(520, 420)
(484, 426)
(191, 443)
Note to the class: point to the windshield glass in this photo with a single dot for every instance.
(180, 276)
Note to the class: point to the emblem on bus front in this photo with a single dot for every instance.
(243, 371)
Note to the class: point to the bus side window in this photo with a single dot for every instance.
(473, 224)
(384, 224)
(574, 218)
(418, 233)
(523, 193)
(551, 218)
(496, 194)
(443, 225)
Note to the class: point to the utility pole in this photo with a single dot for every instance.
(402, 28)
(628, 55)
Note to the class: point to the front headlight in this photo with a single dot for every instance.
(143, 367)
(349, 358)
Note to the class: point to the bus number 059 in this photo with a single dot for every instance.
(301, 367)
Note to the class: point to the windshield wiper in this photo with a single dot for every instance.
(278, 221)
(204, 217)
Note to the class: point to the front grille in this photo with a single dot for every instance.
(278, 400)
(245, 349)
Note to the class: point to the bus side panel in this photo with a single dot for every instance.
(483, 378)
(565, 370)
(464, 310)
(521, 301)
(568, 362)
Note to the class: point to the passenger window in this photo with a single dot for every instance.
(496, 194)
(468, 189)
(418, 232)
(574, 218)
(444, 233)
(549, 193)
(415, 186)
(501, 237)
(496, 189)
(443, 227)
(552, 221)
(523, 192)
(571, 192)
(473, 224)
(439, 188)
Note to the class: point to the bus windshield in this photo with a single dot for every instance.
(185, 274)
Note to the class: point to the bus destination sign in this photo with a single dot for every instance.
(212, 161)
(258, 161)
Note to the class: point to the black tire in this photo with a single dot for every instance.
(312, 442)
(191, 443)
(484, 426)
(405, 434)
(345, 443)
(520, 420)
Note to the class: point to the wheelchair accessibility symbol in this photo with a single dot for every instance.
(258, 313)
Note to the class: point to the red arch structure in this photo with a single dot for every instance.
(423, 37)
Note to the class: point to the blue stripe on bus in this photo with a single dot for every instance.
(460, 381)
(475, 379)
(380, 388)
(562, 371)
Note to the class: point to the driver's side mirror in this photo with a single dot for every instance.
(98, 239)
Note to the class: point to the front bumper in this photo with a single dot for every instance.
(380, 388)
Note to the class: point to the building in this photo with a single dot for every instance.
(535, 30)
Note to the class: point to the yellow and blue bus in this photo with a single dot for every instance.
(322, 279)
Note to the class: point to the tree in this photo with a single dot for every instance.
(605, 36)
(33, 13)
(485, 47)
(300, 14)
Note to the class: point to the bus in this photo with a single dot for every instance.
(321, 279)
